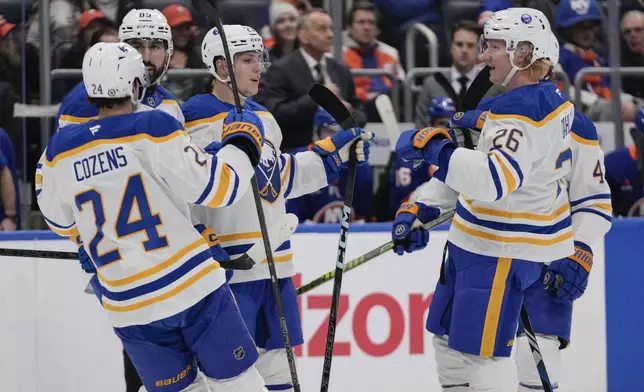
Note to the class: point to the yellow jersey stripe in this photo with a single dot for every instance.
(222, 189)
(72, 231)
(240, 236)
(153, 270)
(287, 171)
(602, 206)
(167, 295)
(38, 179)
(509, 178)
(74, 119)
(537, 124)
(493, 313)
(168, 102)
(120, 140)
(215, 118)
(513, 240)
(581, 140)
(518, 215)
(280, 259)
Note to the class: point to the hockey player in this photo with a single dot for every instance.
(550, 310)
(146, 30)
(326, 205)
(114, 183)
(280, 176)
(402, 180)
(625, 173)
(511, 213)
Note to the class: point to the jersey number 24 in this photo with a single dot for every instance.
(134, 196)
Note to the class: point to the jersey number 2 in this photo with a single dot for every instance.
(133, 195)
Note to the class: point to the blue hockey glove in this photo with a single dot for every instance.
(245, 131)
(567, 278)
(405, 237)
(334, 150)
(85, 261)
(473, 119)
(431, 145)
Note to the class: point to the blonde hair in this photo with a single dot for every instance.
(540, 69)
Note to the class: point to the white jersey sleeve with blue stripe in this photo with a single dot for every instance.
(589, 193)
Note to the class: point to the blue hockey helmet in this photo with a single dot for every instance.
(441, 107)
(571, 12)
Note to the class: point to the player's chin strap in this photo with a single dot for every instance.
(230, 85)
(514, 70)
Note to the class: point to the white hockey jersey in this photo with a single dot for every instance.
(75, 109)
(123, 184)
(510, 199)
(279, 177)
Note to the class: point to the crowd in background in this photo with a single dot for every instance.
(299, 36)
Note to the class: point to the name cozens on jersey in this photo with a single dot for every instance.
(97, 164)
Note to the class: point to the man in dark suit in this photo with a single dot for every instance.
(453, 84)
(287, 82)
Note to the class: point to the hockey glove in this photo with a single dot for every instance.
(245, 131)
(85, 261)
(467, 126)
(567, 278)
(431, 145)
(334, 150)
(406, 237)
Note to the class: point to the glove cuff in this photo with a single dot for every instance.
(421, 211)
(583, 256)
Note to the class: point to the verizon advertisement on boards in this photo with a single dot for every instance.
(56, 338)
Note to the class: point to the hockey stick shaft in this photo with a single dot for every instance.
(372, 254)
(536, 352)
(212, 13)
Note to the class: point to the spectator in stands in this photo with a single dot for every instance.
(185, 55)
(463, 70)
(89, 22)
(11, 62)
(326, 204)
(283, 30)
(288, 80)
(633, 53)
(401, 15)
(577, 22)
(363, 50)
(9, 185)
(625, 173)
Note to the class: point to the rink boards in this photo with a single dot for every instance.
(56, 338)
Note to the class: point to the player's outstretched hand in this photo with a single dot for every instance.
(431, 145)
(244, 130)
(567, 278)
(406, 237)
(86, 263)
(335, 149)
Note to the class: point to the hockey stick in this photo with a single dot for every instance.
(372, 254)
(212, 14)
(536, 352)
(327, 100)
(388, 116)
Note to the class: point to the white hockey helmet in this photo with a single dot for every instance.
(114, 70)
(553, 50)
(517, 25)
(148, 24)
(240, 39)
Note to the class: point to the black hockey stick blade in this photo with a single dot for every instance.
(332, 104)
(477, 90)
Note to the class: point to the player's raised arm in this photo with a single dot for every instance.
(212, 180)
